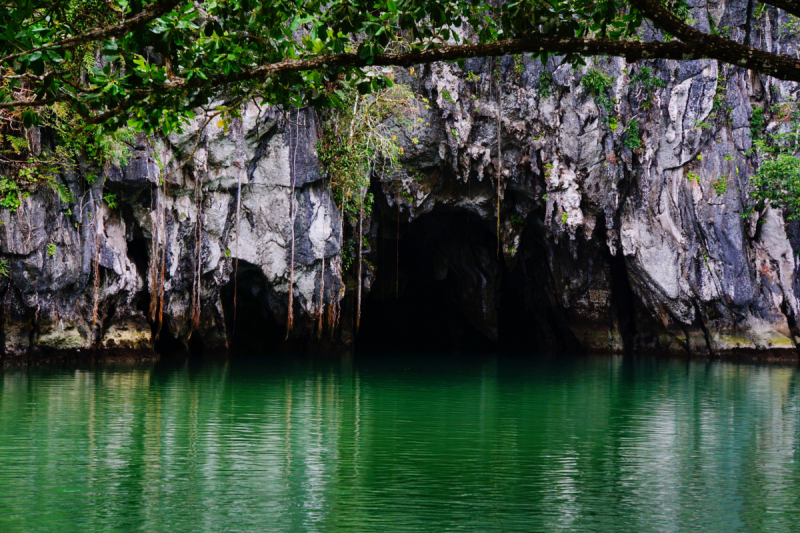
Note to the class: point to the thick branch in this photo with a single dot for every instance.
(715, 47)
(709, 47)
(667, 21)
(790, 6)
(779, 66)
(156, 10)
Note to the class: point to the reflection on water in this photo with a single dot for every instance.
(590, 444)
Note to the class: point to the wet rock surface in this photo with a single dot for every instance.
(605, 244)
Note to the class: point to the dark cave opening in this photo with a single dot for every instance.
(530, 317)
(450, 292)
(169, 347)
(138, 254)
(249, 320)
(419, 298)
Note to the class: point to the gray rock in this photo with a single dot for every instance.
(605, 248)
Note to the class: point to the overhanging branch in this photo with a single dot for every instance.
(707, 47)
(790, 6)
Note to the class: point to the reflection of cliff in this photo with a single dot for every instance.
(582, 444)
(606, 244)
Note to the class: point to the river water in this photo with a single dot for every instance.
(594, 444)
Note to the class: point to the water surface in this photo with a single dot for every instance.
(595, 444)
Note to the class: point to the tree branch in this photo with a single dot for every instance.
(704, 47)
(667, 21)
(790, 6)
(714, 47)
(776, 65)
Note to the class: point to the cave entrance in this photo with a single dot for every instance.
(251, 326)
(436, 287)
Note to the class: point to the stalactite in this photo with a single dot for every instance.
(337, 305)
(157, 266)
(153, 270)
(382, 251)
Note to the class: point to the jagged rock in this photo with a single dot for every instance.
(604, 247)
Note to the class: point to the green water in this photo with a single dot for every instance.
(596, 444)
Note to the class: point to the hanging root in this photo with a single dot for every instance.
(155, 275)
(198, 260)
(360, 261)
(236, 261)
(336, 305)
(499, 162)
(96, 273)
(290, 311)
(321, 309)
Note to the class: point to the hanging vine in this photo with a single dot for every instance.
(321, 308)
(358, 137)
(292, 215)
(96, 261)
(198, 257)
(158, 247)
(499, 154)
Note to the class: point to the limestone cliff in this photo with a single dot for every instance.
(606, 245)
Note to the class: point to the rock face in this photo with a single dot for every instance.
(606, 244)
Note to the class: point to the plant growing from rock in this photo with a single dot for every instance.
(647, 84)
(632, 137)
(545, 88)
(778, 182)
(597, 84)
(721, 185)
(10, 195)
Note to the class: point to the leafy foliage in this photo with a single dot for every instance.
(597, 84)
(778, 181)
(632, 139)
(721, 185)
(647, 84)
(10, 195)
(151, 63)
(111, 200)
(359, 135)
(95, 72)
(545, 88)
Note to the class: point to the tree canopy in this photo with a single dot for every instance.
(150, 64)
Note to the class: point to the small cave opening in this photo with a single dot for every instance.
(436, 288)
(138, 254)
(170, 348)
(252, 328)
